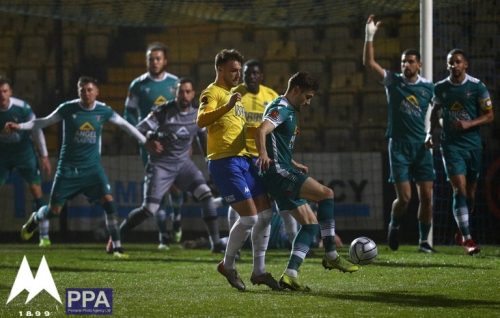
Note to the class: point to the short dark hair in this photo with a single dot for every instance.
(84, 80)
(184, 80)
(5, 80)
(227, 55)
(253, 63)
(412, 52)
(458, 51)
(157, 46)
(304, 80)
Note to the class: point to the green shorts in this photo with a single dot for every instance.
(410, 162)
(462, 162)
(69, 182)
(285, 189)
(27, 166)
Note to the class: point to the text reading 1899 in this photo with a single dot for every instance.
(34, 314)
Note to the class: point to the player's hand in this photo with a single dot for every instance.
(428, 141)
(236, 97)
(461, 125)
(153, 146)
(46, 165)
(300, 167)
(10, 127)
(263, 163)
(371, 28)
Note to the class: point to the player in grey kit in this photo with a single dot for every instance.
(173, 126)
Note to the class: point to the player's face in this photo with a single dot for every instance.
(301, 98)
(231, 73)
(184, 94)
(252, 77)
(156, 62)
(5, 94)
(410, 66)
(88, 94)
(457, 65)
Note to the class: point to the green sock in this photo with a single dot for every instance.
(395, 220)
(327, 224)
(424, 229)
(301, 244)
(461, 213)
(38, 203)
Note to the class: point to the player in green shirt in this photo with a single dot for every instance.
(464, 104)
(147, 91)
(79, 169)
(288, 183)
(18, 151)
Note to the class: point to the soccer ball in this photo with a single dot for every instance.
(363, 251)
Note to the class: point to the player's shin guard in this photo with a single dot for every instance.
(260, 240)
(461, 214)
(237, 236)
(136, 217)
(300, 247)
(211, 220)
(327, 224)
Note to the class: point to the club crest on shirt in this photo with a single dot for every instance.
(98, 118)
(274, 114)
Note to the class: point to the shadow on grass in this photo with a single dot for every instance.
(414, 300)
(402, 298)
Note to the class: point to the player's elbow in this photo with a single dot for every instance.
(199, 123)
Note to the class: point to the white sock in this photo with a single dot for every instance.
(232, 217)
(260, 240)
(238, 235)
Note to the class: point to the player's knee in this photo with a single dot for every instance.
(150, 208)
(202, 192)
(249, 220)
(328, 193)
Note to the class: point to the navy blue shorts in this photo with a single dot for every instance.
(236, 178)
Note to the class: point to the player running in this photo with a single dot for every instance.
(173, 126)
(151, 89)
(79, 169)
(17, 150)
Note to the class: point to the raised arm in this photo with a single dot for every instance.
(373, 68)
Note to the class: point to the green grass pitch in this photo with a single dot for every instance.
(185, 283)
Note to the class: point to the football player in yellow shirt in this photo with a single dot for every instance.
(230, 165)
